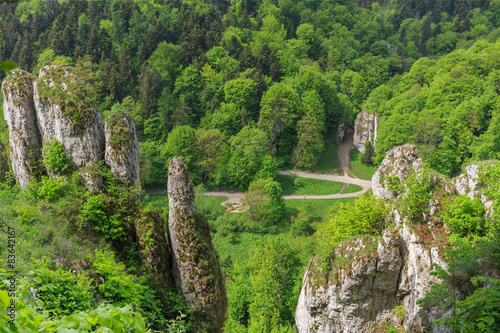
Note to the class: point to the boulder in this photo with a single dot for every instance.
(195, 266)
(365, 129)
(24, 136)
(122, 148)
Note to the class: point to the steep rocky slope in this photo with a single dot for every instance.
(369, 275)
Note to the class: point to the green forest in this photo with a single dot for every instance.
(243, 89)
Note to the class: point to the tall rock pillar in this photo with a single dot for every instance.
(195, 266)
(24, 138)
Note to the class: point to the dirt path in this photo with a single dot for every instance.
(343, 152)
(234, 197)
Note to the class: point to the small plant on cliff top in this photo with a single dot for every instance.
(54, 157)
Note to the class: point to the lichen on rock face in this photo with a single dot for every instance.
(122, 148)
(24, 136)
(195, 266)
(65, 113)
(365, 129)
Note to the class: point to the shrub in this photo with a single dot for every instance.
(62, 292)
(51, 189)
(118, 286)
(465, 216)
(54, 157)
(478, 312)
(302, 227)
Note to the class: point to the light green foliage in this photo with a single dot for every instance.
(273, 280)
(95, 212)
(118, 286)
(181, 142)
(478, 312)
(248, 149)
(33, 313)
(465, 216)
(243, 93)
(51, 189)
(167, 60)
(364, 216)
(54, 156)
(62, 292)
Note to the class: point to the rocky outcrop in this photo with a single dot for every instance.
(24, 137)
(365, 129)
(368, 280)
(356, 293)
(122, 148)
(195, 268)
(79, 128)
(57, 106)
(154, 247)
(398, 162)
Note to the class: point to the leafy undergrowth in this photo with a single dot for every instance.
(329, 162)
(298, 185)
(358, 169)
(319, 207)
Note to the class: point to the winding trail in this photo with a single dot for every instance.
(234, 197)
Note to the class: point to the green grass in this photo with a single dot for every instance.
(358, 169)
(319, 207)
(352, 188)
(160, 201)
(308, 186)
(329, 162)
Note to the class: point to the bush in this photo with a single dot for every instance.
(364, 216)
(465, 216)
(62, 292)
(302, 227)
(479, 312)
(54, 157)
(118, 286)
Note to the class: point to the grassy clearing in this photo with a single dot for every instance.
(358, 169)
(319, 207)
(160, 201)
(329, 162)
(352, 188)
(310, 186)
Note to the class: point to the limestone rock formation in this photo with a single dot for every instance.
(195, 266)
(154, 247)
(365, 290)
(79, 128)
(24, 137)
(365, 129)
(398, 162)
(122, 148)
(359, 293)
